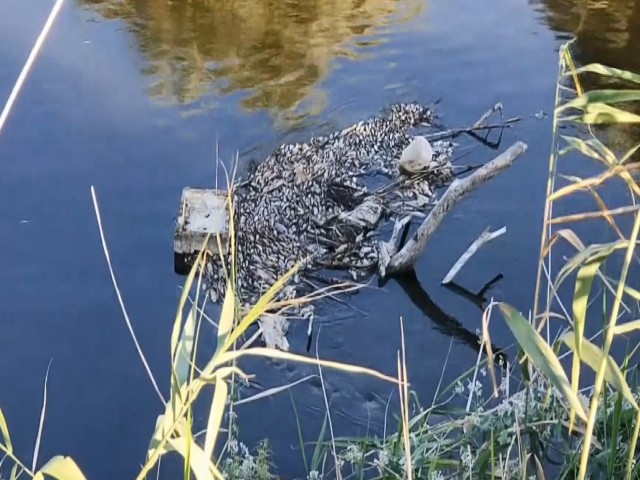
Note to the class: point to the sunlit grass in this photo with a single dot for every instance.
(585, 109)
(173, 431)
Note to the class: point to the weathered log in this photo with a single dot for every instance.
(406, 258)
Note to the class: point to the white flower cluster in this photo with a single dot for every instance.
(352, 454)
(382, 460)
(240, 464)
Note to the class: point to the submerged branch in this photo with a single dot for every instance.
(484, 238)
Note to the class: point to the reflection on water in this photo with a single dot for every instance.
(605, 31)
(444, 322)
(277, 51)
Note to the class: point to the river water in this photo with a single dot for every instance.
(133, 97)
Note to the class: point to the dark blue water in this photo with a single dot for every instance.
(133, 99)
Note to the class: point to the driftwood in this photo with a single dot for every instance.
(483, 119)
(484, 238)
(395, 262)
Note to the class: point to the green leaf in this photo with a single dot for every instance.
(215, 416)
(170, 422)
(608, 71)
(62, 468)
(628, 327)
(201, 466)
(615, 429)
(227, 316)
(592, 356)
(4, 429)
(299, 428)
(634, 325)
(594, 252)
(584, 280)
(16, 471)
(582, 146)
(273, 354)
(601, 96)
(601, 113)
(629, 154)
(593, 148)
(541, 356)
(183, 300)
(272, 391)
(315, 459)
(184, 352)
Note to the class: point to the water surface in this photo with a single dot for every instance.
(133, 97)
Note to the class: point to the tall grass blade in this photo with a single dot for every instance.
(608, 340)
(201, 466)
(273, 391)
(539, 469)
(584, 281)
(601, 97)
(215, 416)
(15, 472)
(43, 411)
(4, 429)
(184, 352)
(608, 71)
(585, 184)
(227, 316)
(582, 146)
(593, 254)
(542, 356)
(632, 151)
(127, 320)
(594, 357)
(258, 309)
(317, 452)
(299, 429)
(631, 463)
(615, 429)
(62, 468)
(605, 151)
(280, 355)
(177, 324)
(627, 327)
(601, 113)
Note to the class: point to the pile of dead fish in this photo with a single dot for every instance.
(322, 201)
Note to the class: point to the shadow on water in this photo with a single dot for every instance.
(278, 52)
(444, 322)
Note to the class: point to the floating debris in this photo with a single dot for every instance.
(314, 202)
(417, 156)
(274, 331)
